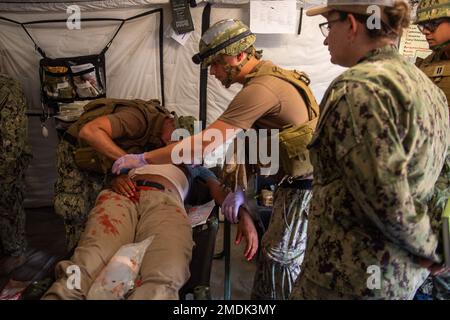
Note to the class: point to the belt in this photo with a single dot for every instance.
(304, 184)
(70, 139)
(147, 183)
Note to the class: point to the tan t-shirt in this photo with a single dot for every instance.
(127, 122)
(129, 128)
(266, 102)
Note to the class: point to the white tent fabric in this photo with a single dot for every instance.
(61, 5)
(132, 64)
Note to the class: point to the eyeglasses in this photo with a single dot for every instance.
(430, 26)
(325, 27)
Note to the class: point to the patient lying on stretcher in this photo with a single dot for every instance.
(147, 202)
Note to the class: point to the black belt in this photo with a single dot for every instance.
(147, 183)
(70, 139)
(304, 184)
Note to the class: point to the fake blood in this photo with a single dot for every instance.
(107, 224)
(103, 218)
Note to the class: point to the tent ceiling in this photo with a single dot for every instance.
(61, 5)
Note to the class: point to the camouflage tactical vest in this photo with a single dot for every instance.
(437, 70)
(87, 158)
(294, 155)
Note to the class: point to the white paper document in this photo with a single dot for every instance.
(199, 215)
(180, 38)
(273, 16)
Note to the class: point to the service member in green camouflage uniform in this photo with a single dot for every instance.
(377, 152)
(75, 192)
(433, 19)
(87, 149)
(271, 98)
(15, 156)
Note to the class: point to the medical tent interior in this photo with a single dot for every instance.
(146, 60)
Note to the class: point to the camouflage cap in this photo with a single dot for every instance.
(432, 9)
(229, 36)
(351, 6)
(185, 122)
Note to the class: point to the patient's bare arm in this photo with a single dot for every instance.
(247, 229)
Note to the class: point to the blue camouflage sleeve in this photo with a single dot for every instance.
(201, 172)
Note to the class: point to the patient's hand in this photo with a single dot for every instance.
(124, 185)
(246, 229)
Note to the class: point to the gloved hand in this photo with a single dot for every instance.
(127, 162)
(231, 205)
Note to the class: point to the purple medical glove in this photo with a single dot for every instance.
(231, 205)
(128, 162)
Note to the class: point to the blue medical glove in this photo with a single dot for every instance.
(231, 205)
(127, 162)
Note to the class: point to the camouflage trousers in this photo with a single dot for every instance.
(306, 289)
(75, 193)
(12, 218)
(15, 155)
(283, 245)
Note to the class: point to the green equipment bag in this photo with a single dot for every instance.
(90, 160)
(294, 154)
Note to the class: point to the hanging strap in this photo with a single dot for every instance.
(206, 20)
(110, 41)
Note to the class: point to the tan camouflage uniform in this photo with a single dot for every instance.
(15, 156)
(378, 150)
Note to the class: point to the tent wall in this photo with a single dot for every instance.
(133, 70)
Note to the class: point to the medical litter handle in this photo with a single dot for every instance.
(446, 233)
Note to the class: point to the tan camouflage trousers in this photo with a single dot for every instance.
(283, 245)
(116, 221)
(75, 192)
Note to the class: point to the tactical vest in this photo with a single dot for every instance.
(87, 158)
(294, 155)
(438, 71)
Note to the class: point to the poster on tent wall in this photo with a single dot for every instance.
(413, 43)
(273, 16)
